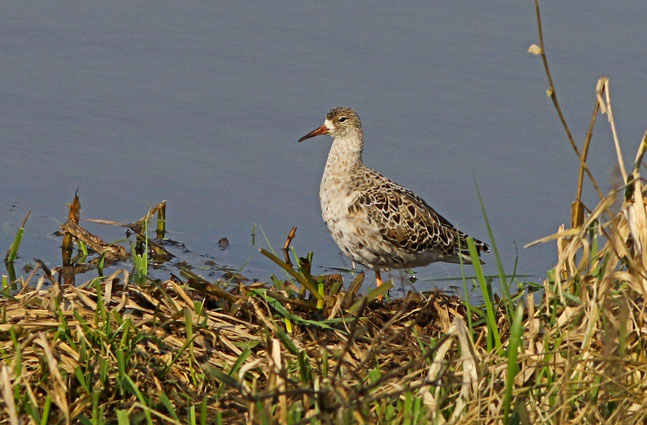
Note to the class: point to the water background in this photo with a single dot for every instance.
(201, 104)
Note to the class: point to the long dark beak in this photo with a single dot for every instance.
(313, 133)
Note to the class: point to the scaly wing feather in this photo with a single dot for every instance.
(405, 220)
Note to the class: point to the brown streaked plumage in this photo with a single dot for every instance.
(373, 220)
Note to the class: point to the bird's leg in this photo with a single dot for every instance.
(378, 283)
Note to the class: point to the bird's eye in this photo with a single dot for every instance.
(342, 118)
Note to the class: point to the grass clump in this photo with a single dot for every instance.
(164, 352)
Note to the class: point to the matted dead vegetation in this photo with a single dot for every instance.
(92, 349)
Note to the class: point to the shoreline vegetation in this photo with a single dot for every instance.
(125, 348)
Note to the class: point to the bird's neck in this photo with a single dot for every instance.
(345, 154)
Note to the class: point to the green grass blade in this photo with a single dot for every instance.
(513, 368)
(240, 361)
(280, 308)
(491, 313)
(225, 378)
(203, 411)
(13, 250)
(122, 417)
(141, 399)
(46, 410)
(503, 282)
(95, 407)
(287, 342)
(169, 406)
(141, 260)
(191, 414)
(466, 300)
(300, 278)
(373, 294)
(79, 376)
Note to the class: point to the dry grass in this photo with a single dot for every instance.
(108, 345)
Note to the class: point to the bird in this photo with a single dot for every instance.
(373, 220)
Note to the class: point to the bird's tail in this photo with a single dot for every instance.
(464, 253)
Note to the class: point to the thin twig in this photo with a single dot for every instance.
(553, 95)
(551, 88)
(640, 153)
(577, 216)
(286, 246)
(603, 87)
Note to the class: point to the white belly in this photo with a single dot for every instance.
(358, 236)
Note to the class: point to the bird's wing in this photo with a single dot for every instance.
(406, 220)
